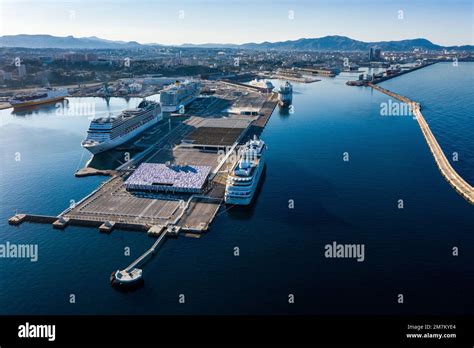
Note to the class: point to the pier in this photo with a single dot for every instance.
(376, 80)
(319, 71)
(245, 86)
(197, 140)
(131, 276)
(266, 111)
(402, 72)
(302, 79)
(88, 171)
(18, 219)
(147, 253)
(448, 172)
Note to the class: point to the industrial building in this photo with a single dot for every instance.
(171, 178)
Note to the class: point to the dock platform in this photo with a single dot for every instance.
(266, 111)
(165, 213)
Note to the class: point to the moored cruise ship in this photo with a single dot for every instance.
(243, 180)
(178, 95)
(285, 94)
(263, 85)
(41, 96)
(108, 132)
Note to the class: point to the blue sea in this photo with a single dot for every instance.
(309, 197)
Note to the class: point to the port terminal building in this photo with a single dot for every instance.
(171, 178)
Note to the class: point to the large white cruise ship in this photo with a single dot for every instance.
(108, 132)
(41, 96)
(243, 180)
(263, 85)
(285, 94)
(177, 95)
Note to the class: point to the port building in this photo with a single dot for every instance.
(171, 178)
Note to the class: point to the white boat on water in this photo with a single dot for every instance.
(243, 180)
(108, 132)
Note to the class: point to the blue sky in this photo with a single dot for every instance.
(238, 21)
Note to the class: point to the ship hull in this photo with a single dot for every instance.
(110, 144)
(285, 99)
(36, 102)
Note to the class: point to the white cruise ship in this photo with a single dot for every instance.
(243, 180)
(263, 85)
(179, 94)
(285, 94)
(41, 96)
(108, 132)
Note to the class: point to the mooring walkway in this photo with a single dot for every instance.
(147, 253)
(451, 176)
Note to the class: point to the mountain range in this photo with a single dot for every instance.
(326, 43)
(49, 41)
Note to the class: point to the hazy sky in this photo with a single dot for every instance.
(448, 22)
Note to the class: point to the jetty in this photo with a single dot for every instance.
(131, 276)
(374, 79)
(88, 171)
(449, 173)
(148, 252)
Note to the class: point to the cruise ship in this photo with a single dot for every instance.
(285, 94)
(41, 96)
(179, 94)
(106, 133)
(243, 180)
(264, 85)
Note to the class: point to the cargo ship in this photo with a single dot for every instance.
(41, 96)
